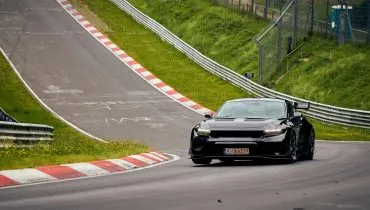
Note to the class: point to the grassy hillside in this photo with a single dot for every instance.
(223, 35)
(176, 69)
(336, 75)
(69, 145)
(327, 73)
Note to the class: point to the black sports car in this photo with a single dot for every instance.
(247, 129)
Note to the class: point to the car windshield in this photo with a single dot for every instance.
(252, 109)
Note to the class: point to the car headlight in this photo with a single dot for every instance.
(272, 132)
(203, 132)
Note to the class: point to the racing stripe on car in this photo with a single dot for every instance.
(132, 63)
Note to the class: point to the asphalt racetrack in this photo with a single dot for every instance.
(83, 82)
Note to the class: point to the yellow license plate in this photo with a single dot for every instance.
(236, 151)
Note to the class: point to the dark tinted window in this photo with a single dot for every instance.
(253, 109)
(290, 110)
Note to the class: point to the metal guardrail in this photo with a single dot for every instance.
(344, 116)
(5, 117)
(23, 134)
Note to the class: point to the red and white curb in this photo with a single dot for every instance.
(131, 63)
(43, 174)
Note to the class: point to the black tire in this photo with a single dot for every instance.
(202, 161)
(292, 157)
(311, 146)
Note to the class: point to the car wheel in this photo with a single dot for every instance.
(202, 161)
(311, 146)
(292, 149)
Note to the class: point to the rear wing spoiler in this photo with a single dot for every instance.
(302, 105)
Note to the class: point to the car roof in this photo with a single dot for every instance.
(258, 99)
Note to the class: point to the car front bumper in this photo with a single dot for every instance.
(271, 148)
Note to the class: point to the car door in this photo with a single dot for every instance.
(296, 120)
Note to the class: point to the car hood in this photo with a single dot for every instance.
(241, 124)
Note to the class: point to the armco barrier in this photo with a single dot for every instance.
(5, 117)
(24, 134)
(351, 117)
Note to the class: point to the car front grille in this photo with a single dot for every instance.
(236, 134)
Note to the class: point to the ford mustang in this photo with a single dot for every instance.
(253, 128)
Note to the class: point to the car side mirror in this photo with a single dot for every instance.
(302, 105)
(208, 115)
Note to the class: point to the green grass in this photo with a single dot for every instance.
(221, 34)
(335, 75)
(69, 145)
(176, 69)
(328, 131)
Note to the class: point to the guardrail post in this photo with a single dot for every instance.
(265, 10)
(312, 16)
(327, 21)
(368, 22)
(252, 8)
(295, 38)
(279, 42)
(260, 60)
(260, 63)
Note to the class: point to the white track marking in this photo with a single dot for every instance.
(91, 28)
(155, 81)
(28, 175)
(141, 158)
(111, 46)
(125, 164)
(87, 168)
(166, 88)
(120, 52)
(205, 110)
(68, 7)
(190, 103)
(85, 22)
(160, 155)
(177, 96)
(154, 157)
(127, 59)
(98, 34)
(146, 73)
(79, 17)
(137, 66)
(104, 40)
